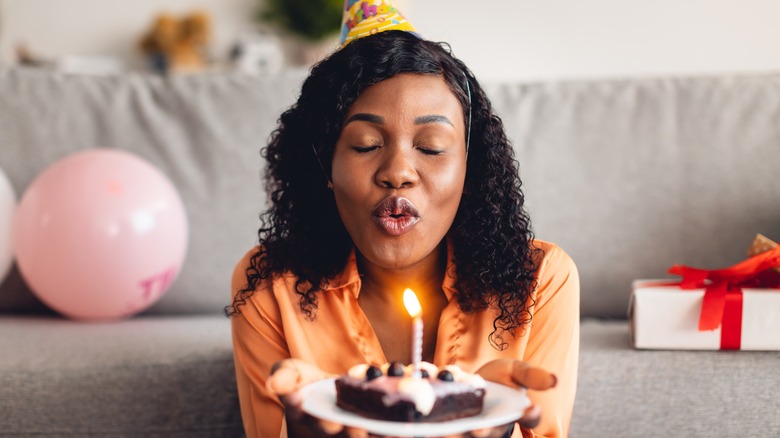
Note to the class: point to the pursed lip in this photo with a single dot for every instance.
(395, 215)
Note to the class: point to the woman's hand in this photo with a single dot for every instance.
(287, 378)
(516, 374)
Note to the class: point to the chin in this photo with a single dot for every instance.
(393, 259)
(398, 252)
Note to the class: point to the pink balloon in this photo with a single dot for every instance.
(100, 234)
(7, 212)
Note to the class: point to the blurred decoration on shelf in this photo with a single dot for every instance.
(178, 44)
(314, 24)
(73, 64)
(257, 54)
(27, 57)
(313, 20)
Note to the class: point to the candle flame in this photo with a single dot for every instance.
(411, 303)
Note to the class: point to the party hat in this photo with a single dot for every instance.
(367, 17)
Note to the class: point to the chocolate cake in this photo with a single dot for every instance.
(393, 393)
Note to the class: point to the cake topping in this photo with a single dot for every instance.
(457, 373)
(358, 371)
(446, 376)
(420, 392)
(474, 380)
(427, 369)
(454, 373)
(373, 372)
(455, 370)
(396, 369)
(430, 368)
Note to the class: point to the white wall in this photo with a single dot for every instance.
(498, 39)
(592, 38)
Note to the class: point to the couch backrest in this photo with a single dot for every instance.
(628, 176)
(633, 176)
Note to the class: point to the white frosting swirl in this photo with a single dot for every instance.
(456, 371)
(474, 380)
(432, 369)
(358, 371)
(420, 392)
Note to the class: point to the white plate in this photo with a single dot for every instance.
(503, 405)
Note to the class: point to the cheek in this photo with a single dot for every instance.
(346, 176)
(345, 169)
(348, 208)
(446, 185)
(349, 187)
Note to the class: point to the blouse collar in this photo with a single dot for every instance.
(350, 276)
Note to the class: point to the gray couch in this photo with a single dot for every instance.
(628, 176)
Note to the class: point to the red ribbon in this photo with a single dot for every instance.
(722, 305)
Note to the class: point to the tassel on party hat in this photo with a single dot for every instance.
(367, 17)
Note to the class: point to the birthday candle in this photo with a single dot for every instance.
(415, 311)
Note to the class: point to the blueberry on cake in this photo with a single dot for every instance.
(392, 393)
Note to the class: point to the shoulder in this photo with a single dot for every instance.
(553, 259)
(257, 326)
(239, 281)
(261, 300)
(556, 273)
(248, 265)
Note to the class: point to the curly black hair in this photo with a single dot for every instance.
(302, 232)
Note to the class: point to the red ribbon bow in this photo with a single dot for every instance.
(723, 292)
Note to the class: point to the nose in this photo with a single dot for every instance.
(397, 169)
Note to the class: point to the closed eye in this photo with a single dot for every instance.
(364, 149)
(427, 151)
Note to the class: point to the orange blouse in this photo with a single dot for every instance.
(271, 327)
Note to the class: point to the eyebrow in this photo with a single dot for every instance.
(433, 118)
(422, 120)
(365, 117)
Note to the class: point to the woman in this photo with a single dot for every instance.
(391, 171)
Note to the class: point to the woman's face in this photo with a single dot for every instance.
(399, 167)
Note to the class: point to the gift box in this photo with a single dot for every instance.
(735, 308)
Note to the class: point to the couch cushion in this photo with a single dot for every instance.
(204, 132)
(148, 376)
(642, 393)
(633, 176)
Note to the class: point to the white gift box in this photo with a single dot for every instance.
(667, 318)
